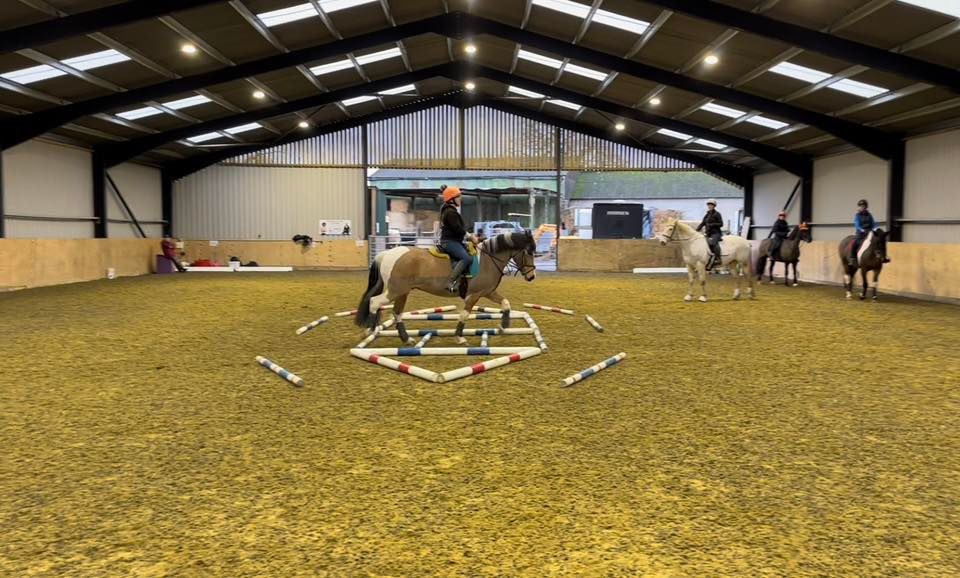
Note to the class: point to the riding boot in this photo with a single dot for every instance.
(454, 282)
(852, 261)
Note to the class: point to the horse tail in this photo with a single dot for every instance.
(374, 287)
(761, 264)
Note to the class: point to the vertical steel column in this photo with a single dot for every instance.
(806, 195)
(3, 217)
(462, 120)
(558, 162)
(99, 197)
(364, 159)
(896, 192)
(166, 200)
(748, 204)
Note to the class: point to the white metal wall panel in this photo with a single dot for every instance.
(838, 182)
(770, 193)
(933, 188)
(236, 203)
(141, 188)
(48, 180)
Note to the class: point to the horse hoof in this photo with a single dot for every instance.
(702, 299)
(849, 295)
(772, 282)
(736, 295)
(862, 297)
(796, 284)
(688, 298)
(461, 341)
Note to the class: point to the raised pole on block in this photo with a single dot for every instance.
(593, 369)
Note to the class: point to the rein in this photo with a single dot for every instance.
(674, 232)
(501, 265)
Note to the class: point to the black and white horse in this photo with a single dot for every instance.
(871, 256)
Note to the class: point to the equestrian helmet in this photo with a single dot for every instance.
(863, 203)
(450, 193)
(782, 214)
(712, 202)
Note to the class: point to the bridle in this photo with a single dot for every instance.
(501, 265)
(674, 232)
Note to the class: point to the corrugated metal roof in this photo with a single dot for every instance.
(648, 185)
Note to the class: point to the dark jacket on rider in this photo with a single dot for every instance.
(863, 222)
(780, 229)
(713, 222)
(452, 227)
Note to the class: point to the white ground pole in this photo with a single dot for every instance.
(593, 369)
(469, 370)
(428, 351)
(413, 370)
(295, 380)
(656, 270)
(593, 323)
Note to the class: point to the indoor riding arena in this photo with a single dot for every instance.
(597, 288)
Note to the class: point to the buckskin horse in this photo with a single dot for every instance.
(870, 257)
(398, 271)
(789, 254)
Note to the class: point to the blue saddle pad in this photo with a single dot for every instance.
(474, 269)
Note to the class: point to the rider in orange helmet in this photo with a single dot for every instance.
(452, 232)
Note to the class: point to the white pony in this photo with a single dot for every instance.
(735, 253)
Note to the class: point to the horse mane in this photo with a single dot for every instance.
(503, 241)
(684, 227)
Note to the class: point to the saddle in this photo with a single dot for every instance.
(472, 271)
(437, 251)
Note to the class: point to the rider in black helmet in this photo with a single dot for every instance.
(713, 223)
(863, 222)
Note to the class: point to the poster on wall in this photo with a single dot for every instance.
(335, 227)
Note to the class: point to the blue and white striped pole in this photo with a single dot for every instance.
(279, 370)
(591, 370)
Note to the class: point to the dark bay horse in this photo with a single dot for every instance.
(789, 254)
(870, 257)
(397, 272)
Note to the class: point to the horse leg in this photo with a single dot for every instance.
(464, 314)
(376, 303)
(866, 285)
(702, 272)
(398, 304)
(739, 273)
(504, 306)
(690, 274)
(796, 276)
(848, 280)
(773, 263)
(876, 281)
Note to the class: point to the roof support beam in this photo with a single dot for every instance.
(874, 141)
(814, 41)
(793, 163)
(115, 154)
(180, 169)
(91, 21)
(21, 129)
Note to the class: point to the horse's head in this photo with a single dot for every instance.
(879, 244)
(518, 248)
(667, 233)
(805, 234)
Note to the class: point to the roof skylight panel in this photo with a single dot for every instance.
(173, 104)
(303, 11)
(948, 7)
(710, 143)
(399, 89)
(814, 76)
(243, 128)
(290, 14)
(361, 60)
(204, 137)
(524, 92)
(331, 67)
(584, 71)
(674, 134)
(378, 56)
(620, 21)
(564, 104)
(358, 100)
(565, 6)
(734, 113)
(83, 62)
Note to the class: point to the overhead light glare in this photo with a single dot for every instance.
(470, 85)
(188, 49)
(620, 126)
(711, 59)
(259, 94)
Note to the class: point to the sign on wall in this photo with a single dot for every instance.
(335, 227)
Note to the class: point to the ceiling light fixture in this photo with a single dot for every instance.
(711, 59)
(188, 49)
(470, 85)
(470, 48)
(304, 124)
(655, 101)
(620, 126)
(259, 94)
